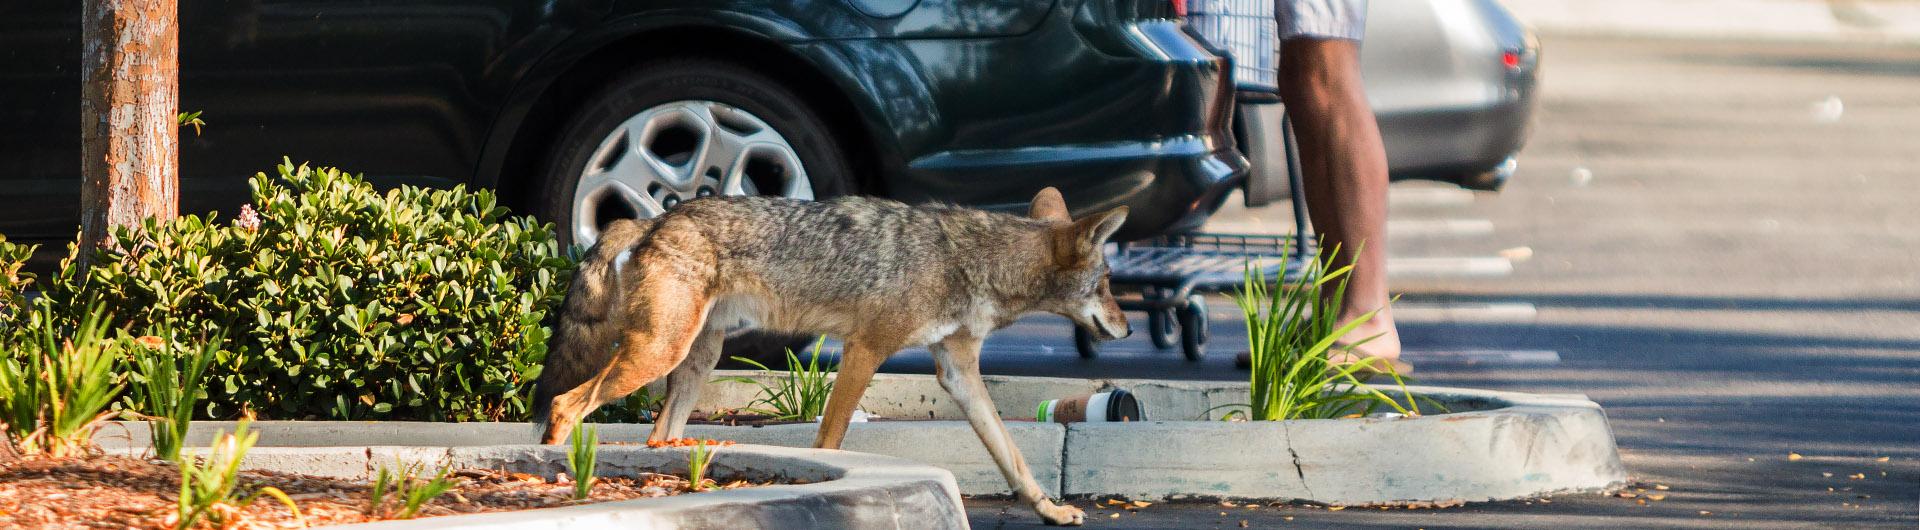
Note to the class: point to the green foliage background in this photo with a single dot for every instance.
(344, 302)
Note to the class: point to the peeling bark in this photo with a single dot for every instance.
(129, 100)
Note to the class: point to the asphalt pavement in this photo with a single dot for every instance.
(1716, 241)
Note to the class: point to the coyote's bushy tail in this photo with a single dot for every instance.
(582, 341)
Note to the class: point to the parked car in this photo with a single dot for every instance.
(1451, 82)
(583, 111)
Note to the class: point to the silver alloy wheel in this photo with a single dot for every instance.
(681, 150)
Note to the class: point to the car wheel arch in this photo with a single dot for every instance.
(524, 133)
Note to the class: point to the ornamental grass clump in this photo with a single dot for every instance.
(799, 396)
(1294, 333)
(55, 384)
(170, 381)
(341, 301)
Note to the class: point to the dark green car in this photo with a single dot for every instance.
(588, 110)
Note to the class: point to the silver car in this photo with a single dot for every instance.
(1451, 82)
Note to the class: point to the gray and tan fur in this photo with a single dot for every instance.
(880, 275)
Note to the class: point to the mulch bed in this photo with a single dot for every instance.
(117, 492)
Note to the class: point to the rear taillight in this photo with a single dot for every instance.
(1510, 59)
(1179, 8)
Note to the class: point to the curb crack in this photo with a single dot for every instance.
(1286, 430)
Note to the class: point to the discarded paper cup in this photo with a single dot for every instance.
(1113, 405)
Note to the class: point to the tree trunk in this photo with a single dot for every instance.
(129, 98)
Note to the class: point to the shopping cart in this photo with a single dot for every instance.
(1172, 274)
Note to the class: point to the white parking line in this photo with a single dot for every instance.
(1395, 228)
(1455, 312)
(1428, 197)
(1439, 227)
(1479, 357)
(1475, 267)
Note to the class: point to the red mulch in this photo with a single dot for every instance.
(116, 492)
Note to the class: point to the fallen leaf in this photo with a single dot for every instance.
(1857, 476)
(1661, 487)
(1116, 515)
(1825, 474)
(1228, 504)
(1115, 502)
(1625, 494)
(1704, 512)
(1141, 504)
(1883, 459)
(1657, 497)
(1792, 457)
(1243, 523)
(1335, 508)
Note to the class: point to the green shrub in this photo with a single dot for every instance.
(339, 301)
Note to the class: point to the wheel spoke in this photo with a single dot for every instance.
(673, 152)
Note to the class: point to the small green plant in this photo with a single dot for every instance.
(801, 395)
(168, 388)
(54, 389)
(1293, 330)
(210, 488)
(582, 452)
(698, 458)
(407, 487)
(191, 118)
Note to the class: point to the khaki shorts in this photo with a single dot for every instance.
(1321, 19)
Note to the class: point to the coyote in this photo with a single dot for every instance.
(653, 298)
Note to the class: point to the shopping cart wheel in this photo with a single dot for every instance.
(1160, 323)
(1084, 342)
(1193, 328)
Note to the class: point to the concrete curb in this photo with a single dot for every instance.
(1493, 445)
(846, 489)
(1792, 20)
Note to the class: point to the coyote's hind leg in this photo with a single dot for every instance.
(664, 319)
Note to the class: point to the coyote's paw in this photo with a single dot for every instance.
(1062, 515)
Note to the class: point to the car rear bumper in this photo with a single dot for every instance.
(1146, 129)
(1456, 145)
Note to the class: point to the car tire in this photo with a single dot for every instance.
(679, 120)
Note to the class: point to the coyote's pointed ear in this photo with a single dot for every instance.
(1098, 227)
(1074, 243)
(1049, 206)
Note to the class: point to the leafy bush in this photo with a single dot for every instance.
(339, 301)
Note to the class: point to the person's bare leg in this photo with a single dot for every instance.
(1345, 172)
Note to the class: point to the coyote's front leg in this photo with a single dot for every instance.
(958, 359)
